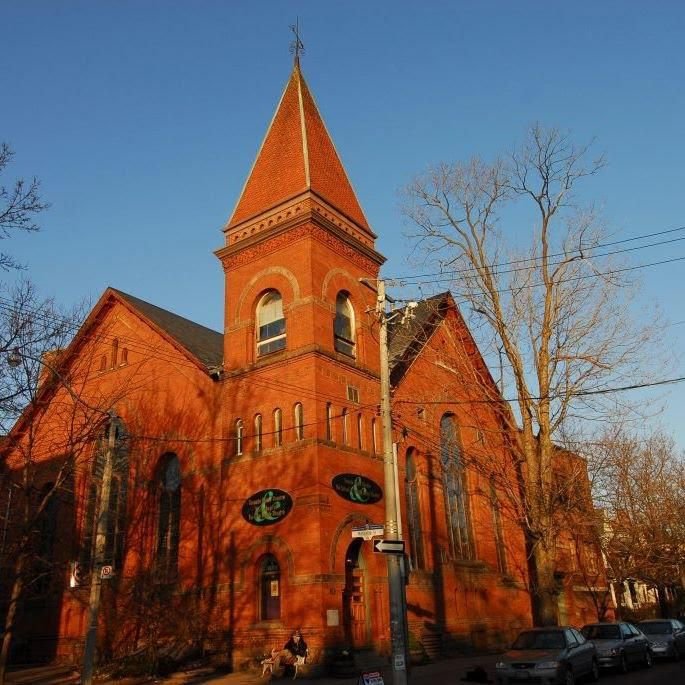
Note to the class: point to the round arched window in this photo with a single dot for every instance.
(270, 324)
(343, 327)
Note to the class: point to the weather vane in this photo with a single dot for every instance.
(297, 46)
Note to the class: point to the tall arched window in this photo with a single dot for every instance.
(258, 433)
(278, 427)
(456, 496)
(115, 353)
(299, 421)
(497, 525)
(269, 582)
(46, 533)
(169, 521)
(239, 433)
(343, 423)
(360, 432)
(374, 437)
(270, 324)
(113, 437)
(413, 512)
(343, 327)
(329, 422)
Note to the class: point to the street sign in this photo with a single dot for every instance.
(369, 531)
(106, 572)
(389, 546)
(370, 678)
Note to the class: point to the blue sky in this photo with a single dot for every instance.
(142, 118)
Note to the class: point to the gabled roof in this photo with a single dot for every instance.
(201, 342)
(297, 155)
(406, 340)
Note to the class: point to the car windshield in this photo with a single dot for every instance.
(601, 632)
(540, 639)
(657, 628)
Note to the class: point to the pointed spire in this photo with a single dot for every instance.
(297, 155)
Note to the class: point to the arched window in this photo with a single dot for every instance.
(115, 353)
(299, 421)
(271, 324)
(124, 356)
(278, 427)
(103, 363)
(343, 327)
(258, 433)
(413, 512)
(239, 432)
(112, 438)
(454, 482)
(360, 432)
(343, 422)
(169, 522)
(269, 588)
(374, 438)
(46, 533)
(497, 525)
(329, 422)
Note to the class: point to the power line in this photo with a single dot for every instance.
(580, 393)
(524, 260)
(563, 280)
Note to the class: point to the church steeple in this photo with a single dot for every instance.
(297, 156)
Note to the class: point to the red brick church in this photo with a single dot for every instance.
(244, 458)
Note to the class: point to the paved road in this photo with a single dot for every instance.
(448, 672)
(662, 673)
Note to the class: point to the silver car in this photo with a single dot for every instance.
(619, 645)
(548, 656)
(666, 637)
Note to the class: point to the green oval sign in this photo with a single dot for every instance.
(267, 507)
(356, 488)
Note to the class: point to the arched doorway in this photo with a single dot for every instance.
(355, 601)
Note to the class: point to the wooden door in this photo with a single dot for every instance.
(354, 600)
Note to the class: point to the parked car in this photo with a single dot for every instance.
(666, 636)
(619, 645)
(548, 656)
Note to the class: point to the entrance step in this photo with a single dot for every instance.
(42, 675)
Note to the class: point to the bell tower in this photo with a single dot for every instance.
(299, 233)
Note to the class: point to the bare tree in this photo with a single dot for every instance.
(19, 205)
(639, 481)
(545, 298)
(55, 420)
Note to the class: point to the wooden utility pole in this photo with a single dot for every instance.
(99, 556)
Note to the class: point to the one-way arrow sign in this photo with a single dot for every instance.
(389, 546)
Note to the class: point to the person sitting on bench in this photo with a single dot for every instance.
(294, 653)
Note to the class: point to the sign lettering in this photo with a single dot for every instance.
(267, 507)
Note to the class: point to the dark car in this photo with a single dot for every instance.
(666, 637)
(619, 645)
(548, 656)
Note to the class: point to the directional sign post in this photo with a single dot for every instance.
(389, 546)
(368, 531)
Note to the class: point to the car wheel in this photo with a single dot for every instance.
(648, 660)
(569, 678)
(623, 664)
(594, 673)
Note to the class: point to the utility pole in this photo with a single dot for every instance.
(99, 556)
(398, 617)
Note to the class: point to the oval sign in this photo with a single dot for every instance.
(267, 507)
(356, 488)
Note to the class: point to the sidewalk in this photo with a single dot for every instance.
(450, 670)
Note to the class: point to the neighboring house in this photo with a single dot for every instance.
(244, 458)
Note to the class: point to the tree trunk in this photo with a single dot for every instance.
(544, 588)
(17, 590)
